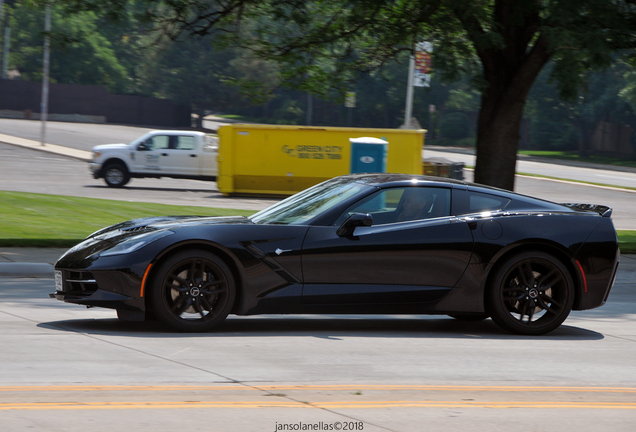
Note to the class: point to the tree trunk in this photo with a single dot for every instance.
(498, 141)
(509, 70)
(501, 113)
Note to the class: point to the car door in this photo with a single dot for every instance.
(170, 154)
(147, 158)
(181, 156)
(412, 260)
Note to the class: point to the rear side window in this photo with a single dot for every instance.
(467, 202)
(186, 143)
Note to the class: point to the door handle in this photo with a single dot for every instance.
(164, 154)
(193, 155)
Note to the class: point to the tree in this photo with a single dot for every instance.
(81, 55)
(504, 44)
(558, 124)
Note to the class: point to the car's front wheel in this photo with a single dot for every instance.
(193, 291)
(532, 294)
(116, 175)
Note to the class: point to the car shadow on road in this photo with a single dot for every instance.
(321, 326)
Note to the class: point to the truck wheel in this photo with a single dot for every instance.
(116, 175)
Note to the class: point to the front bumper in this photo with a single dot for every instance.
(96, 169)
(107, 289)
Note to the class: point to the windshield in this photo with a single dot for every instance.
(299, 209)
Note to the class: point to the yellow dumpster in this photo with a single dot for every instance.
(283, 160)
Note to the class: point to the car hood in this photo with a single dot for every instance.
(165, 222)
(111, 236)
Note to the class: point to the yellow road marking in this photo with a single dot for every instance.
(326, 405)
(86, 390)
(342, 387)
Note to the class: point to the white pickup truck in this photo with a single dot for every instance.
(176, 154)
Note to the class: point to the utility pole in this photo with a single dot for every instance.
(419, 76)
(1, 19)
(408, 110)
(44, 104)
(7, 39)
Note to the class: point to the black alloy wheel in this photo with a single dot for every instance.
(193, 291)
(116, 175)
(532, 294)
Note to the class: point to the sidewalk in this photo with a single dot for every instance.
(48, 148)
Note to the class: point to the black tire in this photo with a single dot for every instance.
(116, 174)
(532, 294)
(193, 291)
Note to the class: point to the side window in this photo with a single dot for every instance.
(186, 143)
(401, 205)
(466, 202)
(159, 142)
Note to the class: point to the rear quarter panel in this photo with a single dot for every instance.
(565, 236)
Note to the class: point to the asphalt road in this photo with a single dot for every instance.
(590, 173)
(82, 136)
(25, 170)
(66, 368)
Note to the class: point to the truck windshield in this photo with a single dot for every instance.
(299, 209)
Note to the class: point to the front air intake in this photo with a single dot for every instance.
(79, 284)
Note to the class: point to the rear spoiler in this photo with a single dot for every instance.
(602, 210)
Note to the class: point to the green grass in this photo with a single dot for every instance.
(574, 156)
(62, 221)
(575, 181)
(38, 220)
(627, 241)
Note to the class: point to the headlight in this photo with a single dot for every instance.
(135, 243)
(96, 156)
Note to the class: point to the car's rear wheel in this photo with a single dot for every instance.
(193, 291)
(532, 294)
(116, 174)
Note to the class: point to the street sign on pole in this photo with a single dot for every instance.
(419, 76)
(422, 73)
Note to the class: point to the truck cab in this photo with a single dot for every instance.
(176, 154)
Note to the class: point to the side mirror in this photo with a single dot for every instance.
(142, 147)
(353, 221)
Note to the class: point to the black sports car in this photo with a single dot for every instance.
(357, 244)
